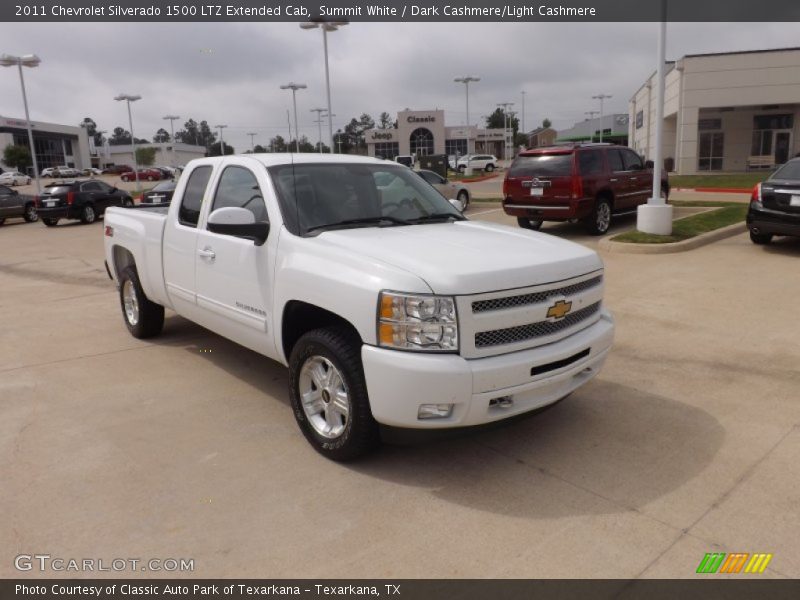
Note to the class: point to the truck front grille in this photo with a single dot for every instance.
(480, 306)
(511, 335)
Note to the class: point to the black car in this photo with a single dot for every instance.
(81, 199)
(775, 205)
(161, 194)
(14, 204)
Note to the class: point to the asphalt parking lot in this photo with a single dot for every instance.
(185, 446)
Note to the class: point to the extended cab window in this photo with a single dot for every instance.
(238, 188)
(189, 212)
(541, 165)
(590, 162)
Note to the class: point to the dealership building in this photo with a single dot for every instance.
(167, 154)
(423, 132)
(55, 145)
(732, 111)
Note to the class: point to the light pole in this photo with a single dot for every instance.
(326, 26)
(505, 106)
(601, 97)
(27, 60)
(591, 114)
(172, 118)
(294, 87)
(319, 112)
(525, 131)
(466, 80)
(221, 143)
(132, 98)
(252, 142)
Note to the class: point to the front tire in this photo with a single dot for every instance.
(527, 223)
(88, 214)
(30, 215)
(127, 203)
(143, 318)
(329, 394)
(489, 168)
(762, 239)
(600, 219)
(463, 198)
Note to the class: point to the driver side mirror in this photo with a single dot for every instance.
(238, 222)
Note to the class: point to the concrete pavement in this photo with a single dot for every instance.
(185, 446)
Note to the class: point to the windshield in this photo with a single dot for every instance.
(318, 196)
(166, 186)
(791, 170)
(57, 189)
(547, 165)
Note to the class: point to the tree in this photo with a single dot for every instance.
(119, 137)
(213, 149)
(258, 148)
(385, 120)
(91, 130)
(18, 157)
(206, 137)
(341, 142)
(189, 133)
(278, 144)
(354, 131)
(546, 123)
(161, 136)
(497, 120)
(145, 156)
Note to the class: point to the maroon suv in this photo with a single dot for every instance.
(586, 182)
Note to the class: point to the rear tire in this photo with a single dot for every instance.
(463, 197)
(127, 203)
(526, 223)
(88, 214)
(30, 215)
(329, 394)
(600, 220)
(143, 318)
(489, 168)
(49, 222)
(761, 239)
(2, 221)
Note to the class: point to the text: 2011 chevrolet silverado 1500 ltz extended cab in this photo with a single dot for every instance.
(387, 305)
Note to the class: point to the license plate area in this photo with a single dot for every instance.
(537, 191)
(794, 201)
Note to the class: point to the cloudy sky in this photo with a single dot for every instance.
(231, 73)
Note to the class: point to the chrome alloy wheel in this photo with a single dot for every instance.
(603, 217)
(130, 302)
(324, 395)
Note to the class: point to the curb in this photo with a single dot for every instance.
(705, 190)
(695, 242)
(481, 178)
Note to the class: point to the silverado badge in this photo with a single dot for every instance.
(559, 310)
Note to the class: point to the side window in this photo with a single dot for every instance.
(432, 178)
(239, 188)
(90, 186)
(633, 162)
(615, 160)
(590, 162)
(189, 212)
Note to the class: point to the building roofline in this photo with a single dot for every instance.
(792, 49)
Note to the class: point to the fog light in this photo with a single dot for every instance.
(502, 402)
(434, 411)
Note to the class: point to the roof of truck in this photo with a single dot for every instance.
(271, 159)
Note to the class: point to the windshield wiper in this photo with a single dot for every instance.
(361, 221)
(439, 216)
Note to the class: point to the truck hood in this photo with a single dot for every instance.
(469, 257)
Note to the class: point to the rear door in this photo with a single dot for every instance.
(620, 181)
(639, 179)
(234, 276)
(8, 201)
(91, 192)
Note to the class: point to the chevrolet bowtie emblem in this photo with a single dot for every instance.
(559, 310)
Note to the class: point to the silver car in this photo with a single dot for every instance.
(448, 189)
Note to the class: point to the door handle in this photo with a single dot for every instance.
(613, 180)
(207, 253)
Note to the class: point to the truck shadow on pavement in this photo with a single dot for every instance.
(608, 448)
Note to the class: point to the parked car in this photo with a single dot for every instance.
(447, 188)
(148, 174)
(48, 172)
(92, 171)
(83, 200)
(165, 172)
(483, 162)
(588, 182)
(405, 159)
(14, 204)
(775, 205)
(117, 170)
(14, 178)
(161, 194)
(65, 171)
(387, 305)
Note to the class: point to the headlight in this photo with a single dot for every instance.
(411, 322)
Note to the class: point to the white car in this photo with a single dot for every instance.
(483, 162)
(14, 178)
(48, 172)
(387, 305)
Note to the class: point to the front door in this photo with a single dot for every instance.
(234, 276)
(783, 143)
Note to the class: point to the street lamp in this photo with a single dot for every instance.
(326, 26)
(294, 87)
(466, 80)
(319, 112)
(591, 114)
(252, 142)
(505, 106)
(27, 60)
(525, 131)
(172, 118)
(601, 97)
(132, 98)
(221, 143)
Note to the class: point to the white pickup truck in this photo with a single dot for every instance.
(387, 305)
